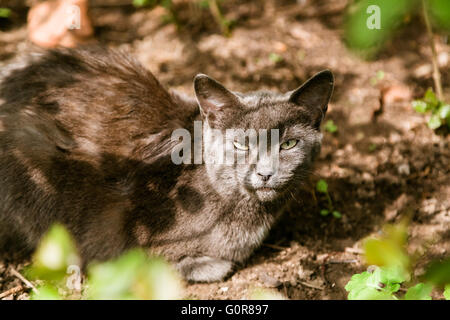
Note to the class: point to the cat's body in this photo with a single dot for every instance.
(85, 140)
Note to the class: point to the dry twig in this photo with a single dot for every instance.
(309, 285)
(17, 274)
(11, 291)
(436, 72)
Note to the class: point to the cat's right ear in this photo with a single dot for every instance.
(213, 98)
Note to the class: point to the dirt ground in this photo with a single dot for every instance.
(382, 164)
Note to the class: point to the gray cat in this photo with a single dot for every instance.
(86, 141)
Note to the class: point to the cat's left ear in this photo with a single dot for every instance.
(315, 93)
(213, 97)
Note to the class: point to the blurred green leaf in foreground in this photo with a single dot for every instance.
(370, 23)
(133, 275)
(361, 33)
(5, 12)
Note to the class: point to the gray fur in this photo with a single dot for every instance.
(85, 141)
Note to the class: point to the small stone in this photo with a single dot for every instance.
(443, 59)
(396, 93)
(223, 289)
(280, 47)
(429, 206)
(367, 176)
(423, 71)
(304, 273)
(404, 169)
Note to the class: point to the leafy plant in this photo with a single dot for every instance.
(440, 111)
(330, 126)
(381, 284)
(322, 187)
(57, 270)
(133, 276)
(392, 269)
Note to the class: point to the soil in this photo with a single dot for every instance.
(382, 164)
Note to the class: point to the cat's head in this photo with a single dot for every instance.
(296, 115)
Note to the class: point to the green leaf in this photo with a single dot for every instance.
(275, 58)
(444, 111)
(372, 147)
(420, 291)
(440, 13)
(134, 276)
(420, 106)
(434, 122)
(322, 186)
(431, 99)
(54, 255)
(204, 4)
(5, 12)
(438, 273)
(337, 214)
(46, 292)
(370, 286)
(392, 277)
(166, 4)
(390, 251)
(357, 33)
(330, 126)
(447, 292)
(380, 74)
(324, 212)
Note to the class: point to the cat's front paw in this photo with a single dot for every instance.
(204, 269)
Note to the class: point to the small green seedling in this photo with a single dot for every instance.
(440, 111)
(322, 187)
(378, 77)
(330, 126)
(275, 58)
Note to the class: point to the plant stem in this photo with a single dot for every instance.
(215, 10)
(330, 203)
(436, 73)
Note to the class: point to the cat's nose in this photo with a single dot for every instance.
(265, 176)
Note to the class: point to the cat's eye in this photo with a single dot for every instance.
(289, 144)
(240, 146)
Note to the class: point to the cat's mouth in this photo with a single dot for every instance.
(266, 193)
